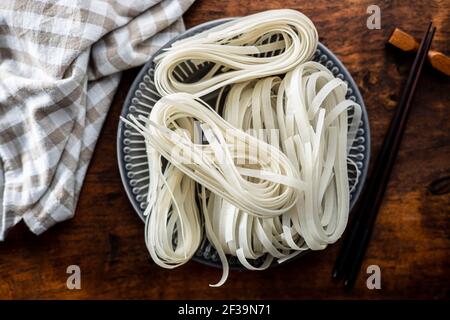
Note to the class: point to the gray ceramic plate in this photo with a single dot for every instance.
(131, 147)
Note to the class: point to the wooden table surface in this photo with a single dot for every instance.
(410, 242)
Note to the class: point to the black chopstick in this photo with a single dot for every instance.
(359, 216)
(384, 166)
(355, 243)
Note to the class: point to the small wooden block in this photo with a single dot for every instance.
(440, 62)
(403, 41)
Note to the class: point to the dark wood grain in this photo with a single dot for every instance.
(410, 242)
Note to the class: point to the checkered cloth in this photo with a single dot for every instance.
(60, 64)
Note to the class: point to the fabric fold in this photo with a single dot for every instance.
(60, 65)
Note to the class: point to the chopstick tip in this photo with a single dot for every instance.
(335, 274)
(348, 283)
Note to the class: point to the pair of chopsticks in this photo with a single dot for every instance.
(356, 241)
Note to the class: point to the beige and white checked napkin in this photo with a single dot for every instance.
(60, 64)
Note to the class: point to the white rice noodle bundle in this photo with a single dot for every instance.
(259, 45)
